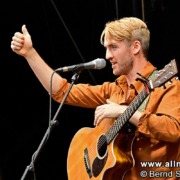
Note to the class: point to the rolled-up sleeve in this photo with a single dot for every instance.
(86, 95)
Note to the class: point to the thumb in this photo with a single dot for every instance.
(24, 30)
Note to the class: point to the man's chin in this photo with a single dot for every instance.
(116, 73)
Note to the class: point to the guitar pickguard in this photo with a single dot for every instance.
(98, 165)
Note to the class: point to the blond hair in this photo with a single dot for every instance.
(129, 29)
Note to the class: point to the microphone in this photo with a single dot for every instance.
(98, 63)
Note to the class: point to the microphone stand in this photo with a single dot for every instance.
(30, 168)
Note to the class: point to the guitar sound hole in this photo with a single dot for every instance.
(102, 145)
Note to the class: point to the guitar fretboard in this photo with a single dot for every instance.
(126, 115)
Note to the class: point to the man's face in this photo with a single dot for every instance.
(119, 55)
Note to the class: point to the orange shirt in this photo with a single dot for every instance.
(156, 148)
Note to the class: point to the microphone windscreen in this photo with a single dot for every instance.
(100, 63)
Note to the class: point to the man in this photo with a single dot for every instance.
(157, 134)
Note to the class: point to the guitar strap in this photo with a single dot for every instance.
(130, 127)
(143, 105)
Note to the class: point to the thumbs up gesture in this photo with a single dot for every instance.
(21, 42)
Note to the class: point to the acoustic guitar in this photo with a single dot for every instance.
(105, 151)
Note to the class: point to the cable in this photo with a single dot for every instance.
(117, 12)
(80, 54)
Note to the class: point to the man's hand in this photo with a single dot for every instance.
(21, 42)
(109, 110)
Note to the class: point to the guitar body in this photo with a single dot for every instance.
(86, 162)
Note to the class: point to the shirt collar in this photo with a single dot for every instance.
(146, 72)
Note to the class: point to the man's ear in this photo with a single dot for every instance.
(136, 46)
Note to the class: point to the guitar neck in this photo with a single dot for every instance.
(126, 115)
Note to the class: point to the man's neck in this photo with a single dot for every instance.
(137, 67)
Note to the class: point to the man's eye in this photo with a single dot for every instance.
(113, 47)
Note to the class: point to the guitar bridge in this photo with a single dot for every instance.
(87, 163)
